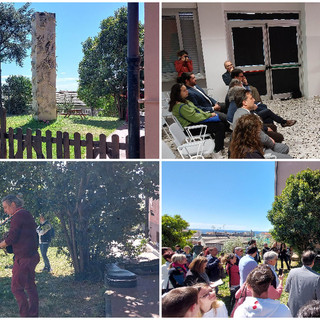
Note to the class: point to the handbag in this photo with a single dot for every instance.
(240, 300)
(212, 119)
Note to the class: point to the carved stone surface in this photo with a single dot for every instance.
(43, 64)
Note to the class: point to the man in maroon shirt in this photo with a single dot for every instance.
(23, 238)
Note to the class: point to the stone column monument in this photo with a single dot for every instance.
(43, 63)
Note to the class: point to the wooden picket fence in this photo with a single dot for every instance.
(28, 142)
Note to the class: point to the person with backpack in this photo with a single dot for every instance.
(46, 233)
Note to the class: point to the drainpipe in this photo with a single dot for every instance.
(133, 60)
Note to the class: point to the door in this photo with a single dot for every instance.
(268, 52)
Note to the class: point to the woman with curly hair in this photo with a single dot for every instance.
(188, 115)
(246, 143)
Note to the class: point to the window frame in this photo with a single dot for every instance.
(169, 76)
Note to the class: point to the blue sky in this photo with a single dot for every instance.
(76, 21)
(233, 195)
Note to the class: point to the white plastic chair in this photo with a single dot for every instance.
(167, 152)
(192, 147)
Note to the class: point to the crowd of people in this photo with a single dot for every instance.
(191, 280)
(252, 136)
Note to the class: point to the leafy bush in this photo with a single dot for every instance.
(17, 92)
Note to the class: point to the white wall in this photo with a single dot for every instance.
(311, 48)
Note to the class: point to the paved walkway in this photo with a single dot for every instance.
(142, 301)
(122, 132)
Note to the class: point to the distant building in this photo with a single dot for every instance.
(153, 218)
(63, 97)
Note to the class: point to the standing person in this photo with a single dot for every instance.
(253, 242)
(290, 254)
(183, 64)
(178, 269)
(23, 238)
(238, 251)
(188, 254)
(197, 249)
(45, 231)
(247, 263)
(303, 284)
(234, 278)
(260, 305)
(283, 255)
(166, 284)
(265, 249)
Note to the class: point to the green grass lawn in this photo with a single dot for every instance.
(94, 125)
(59, 294)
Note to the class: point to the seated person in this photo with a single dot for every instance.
(183, 64)
(262, 110)
(269, 128)
(197, 95)
(246, 142)
(246, 104)
(210, 307)
(260, 305)
(226, 77)
(181, 303)
(197, 272)
(188, 114)
(234, 86)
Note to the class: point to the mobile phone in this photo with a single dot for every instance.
(280, 271)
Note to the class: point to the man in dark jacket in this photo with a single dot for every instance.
(213, 270)
(23, 238)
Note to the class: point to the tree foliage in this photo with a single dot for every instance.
(15, 26)
(103, 69)
(18, 94)
(174, 231)
(100, 206)
(230, 244)
(295, 214)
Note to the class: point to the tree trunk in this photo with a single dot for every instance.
(0, 87)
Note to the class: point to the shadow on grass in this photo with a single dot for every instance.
(58, 297)
(33, 125)
(103, 124)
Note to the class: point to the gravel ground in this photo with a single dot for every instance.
(303, 138)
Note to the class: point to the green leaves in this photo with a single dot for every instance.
(103, 69)
(174, 231)
(295, 213)
(18, 94)
(94, 205)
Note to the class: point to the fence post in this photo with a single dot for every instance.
(3, 129)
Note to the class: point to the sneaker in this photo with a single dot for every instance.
(288, 123)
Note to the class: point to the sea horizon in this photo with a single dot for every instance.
(226, 230)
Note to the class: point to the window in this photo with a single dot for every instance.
(180, 30)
